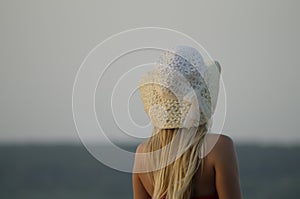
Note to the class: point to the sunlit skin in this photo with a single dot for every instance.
(220, 175)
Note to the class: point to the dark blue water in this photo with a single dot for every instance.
(69, 171)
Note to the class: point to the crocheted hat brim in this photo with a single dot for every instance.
(168, 111)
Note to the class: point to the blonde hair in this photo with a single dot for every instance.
(174, 181)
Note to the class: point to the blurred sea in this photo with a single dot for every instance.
(69, 171)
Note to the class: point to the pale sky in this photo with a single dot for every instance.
(43, 44)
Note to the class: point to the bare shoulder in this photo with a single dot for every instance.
(222, 146)
(225, 141)
(140, 147)
(221, 140)
(138, 160)
(224, 159)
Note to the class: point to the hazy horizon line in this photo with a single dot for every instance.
(131, 143)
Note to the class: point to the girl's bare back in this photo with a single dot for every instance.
(220, 174)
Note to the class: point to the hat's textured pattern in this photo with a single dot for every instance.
(175, 94)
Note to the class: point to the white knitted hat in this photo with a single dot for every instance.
(181, 90)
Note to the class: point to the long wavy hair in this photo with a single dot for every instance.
(174, 180)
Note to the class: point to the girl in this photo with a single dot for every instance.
(181, 160)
